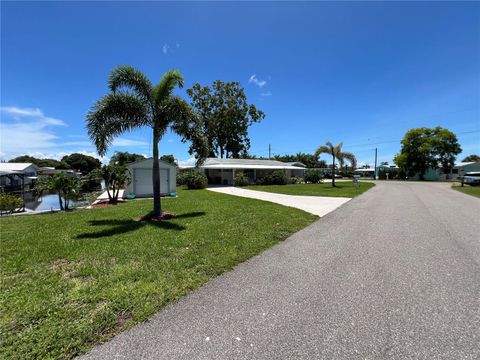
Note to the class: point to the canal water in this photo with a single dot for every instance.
(45, 202)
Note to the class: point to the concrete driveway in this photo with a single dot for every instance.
(317, 205)
(393, 274)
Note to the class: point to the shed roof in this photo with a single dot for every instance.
(145, 162)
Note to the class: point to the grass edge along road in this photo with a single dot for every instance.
(342, 189)
(467, 189)
(74, 280)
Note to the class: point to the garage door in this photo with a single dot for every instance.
(143, 182)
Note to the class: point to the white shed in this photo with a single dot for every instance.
(142, 183)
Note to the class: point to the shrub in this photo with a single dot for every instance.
(296, 180)
(275, 178)
(313, 176)
(9, 203)
(195, 180)
(181, 176)
(241, 179)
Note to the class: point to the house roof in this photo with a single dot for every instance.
(15, 167)
(296, 163)
(461, 164)
(215, 163)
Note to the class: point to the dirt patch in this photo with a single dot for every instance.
(123, 318)
(104, 203)
(163, 216)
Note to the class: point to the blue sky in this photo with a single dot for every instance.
(361, 73)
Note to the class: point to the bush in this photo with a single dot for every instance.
(241, 179)
(313, 176)
(181, 176)
(9, 203)
(296, 180)
(275, 178)
(195, 180)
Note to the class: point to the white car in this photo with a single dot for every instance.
(472, 178)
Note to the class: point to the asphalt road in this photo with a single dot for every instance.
(392, 274)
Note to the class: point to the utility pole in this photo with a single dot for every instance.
(269, 151)
(375, 172)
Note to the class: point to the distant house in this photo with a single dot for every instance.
(142, 182)
(460, 169)
(222, 171)
(16, 176)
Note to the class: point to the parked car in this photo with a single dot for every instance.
(472, 178)
(329, 176)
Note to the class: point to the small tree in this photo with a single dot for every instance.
(116, 177)
(66, 187)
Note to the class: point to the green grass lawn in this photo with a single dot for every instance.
(343, 189)
(467, 189)
(73, 280)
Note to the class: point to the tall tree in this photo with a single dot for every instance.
(424, 148)
(83, 163)
(133, 102)
(124, 158)
(40, 162)
(168, 158)
(224, 116)
(334, 151)
(472, 158)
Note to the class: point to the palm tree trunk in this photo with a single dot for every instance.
(60, 201)
(157, 207)
(333, 171)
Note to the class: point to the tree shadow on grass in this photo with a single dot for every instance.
(124, 226)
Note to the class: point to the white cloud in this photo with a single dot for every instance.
(187, 163)
(266, 93)
(253, 79)
(128, 142)
(166, 48)
(32, 113)
(170, 141)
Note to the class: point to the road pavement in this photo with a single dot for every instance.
(392, 274)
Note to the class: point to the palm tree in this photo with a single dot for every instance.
(133, 102)
(347, 156)
(332, 150)
(65, 186)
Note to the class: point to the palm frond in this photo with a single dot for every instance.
(351, 158)
(113, 115)
(164, 89)
(128, 76)
(338, 149)
(323, 150)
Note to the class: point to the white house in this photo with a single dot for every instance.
(222, 171)
(13, 176)
(142, 183)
